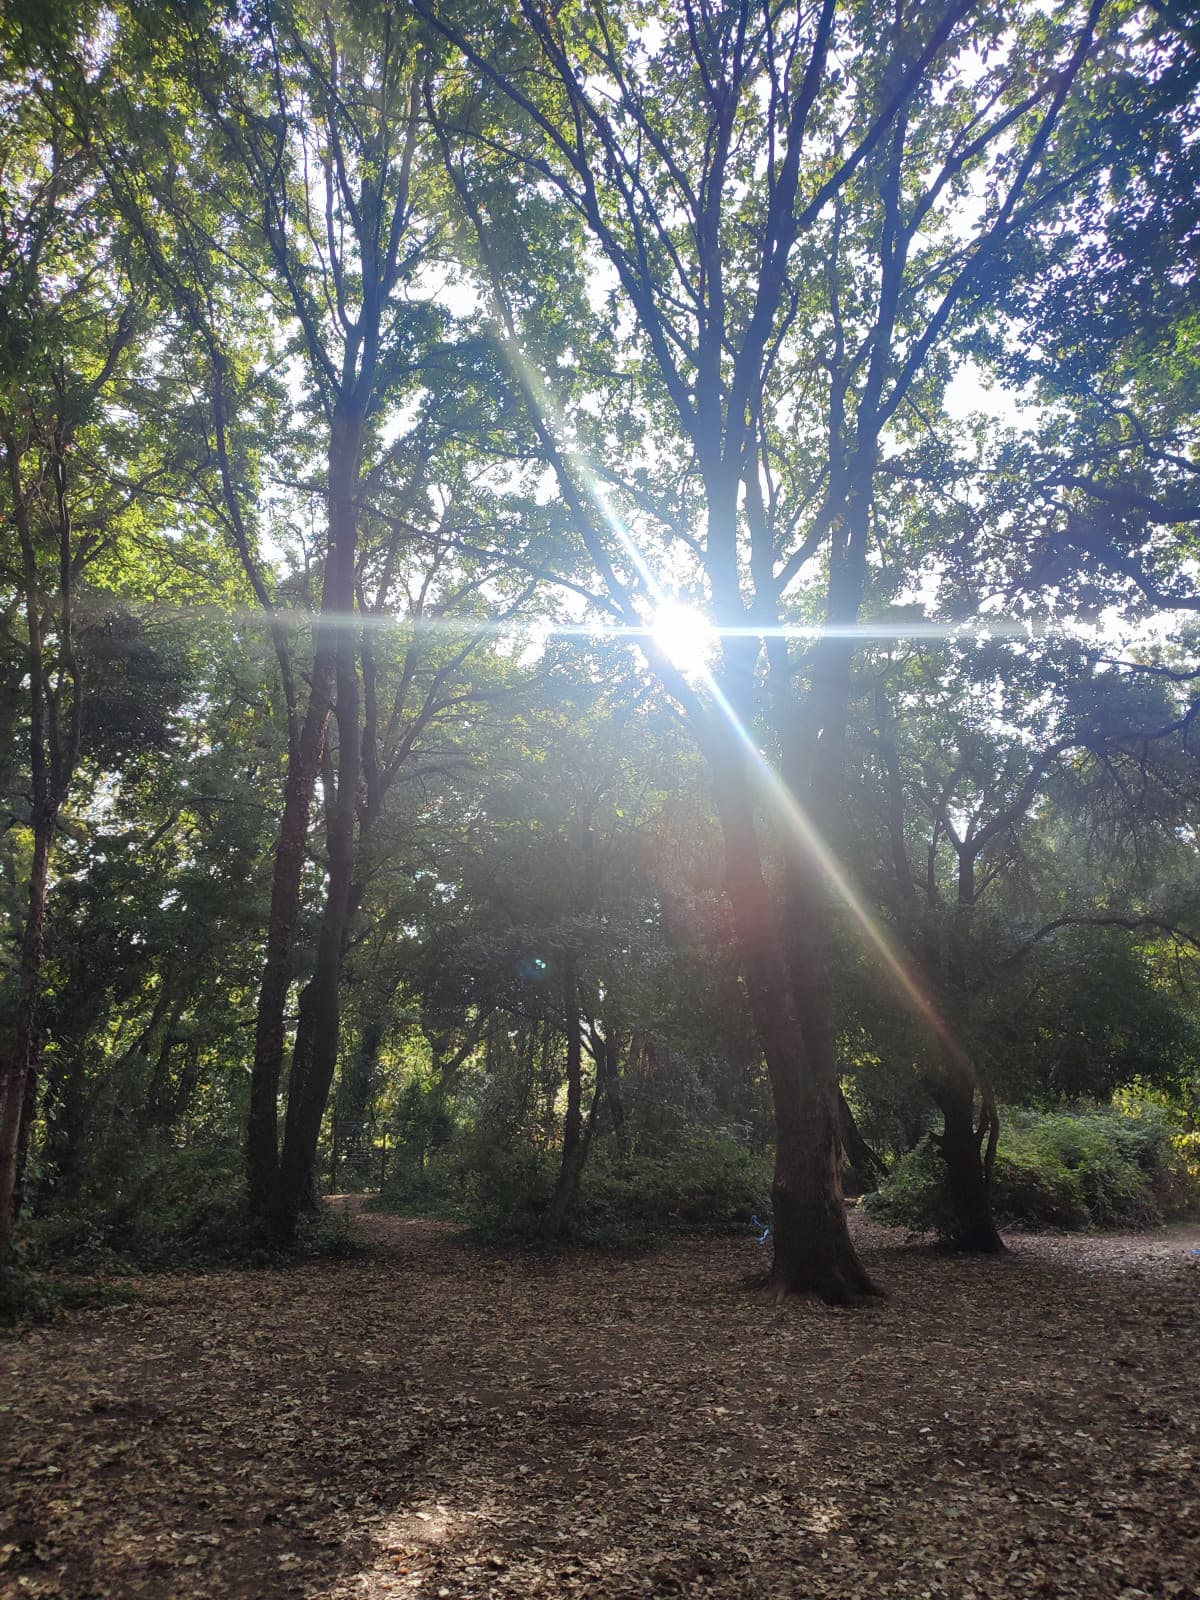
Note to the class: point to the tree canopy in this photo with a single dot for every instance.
(592, 585)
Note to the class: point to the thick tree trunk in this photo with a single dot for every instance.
(304, 765)
(968, 1148)
(783, 955)
(313, 1061)
(18, 1066)
(813, 1249)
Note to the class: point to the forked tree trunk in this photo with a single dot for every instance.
(967, 1147)
(304, 766)
(275, 1181)
(319, 1026)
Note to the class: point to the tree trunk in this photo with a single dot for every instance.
(313, 1061)
(784, 956)
(18, 1067)
(316, 1056)
(865, 1166)
(575, 1139)
(813, 1249)
(304, 765)
(53, 752)
(968, 1149)
(609, 1063)
(968, 1177)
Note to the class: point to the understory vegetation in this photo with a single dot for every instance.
(712, 1183)
(1070, 1170)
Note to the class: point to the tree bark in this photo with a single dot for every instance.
(609, 1064)
(319, 1026)
(967, 1148)
(349, 378)
(53, 752)
(304, 766)
(961, 1144)
(865, 1166)
(812, 1245)
(575, 1138)
(18, 1069)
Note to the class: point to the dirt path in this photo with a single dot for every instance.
(434, 1421)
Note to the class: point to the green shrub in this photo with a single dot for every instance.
(28, 1296)
(914, 1194)
(710, 1181)
(1068, 1170)
(485, 1185)
(173, 1208)
(24, 1296)
(1030, 1191)
(176, 1209)
(431, 1189)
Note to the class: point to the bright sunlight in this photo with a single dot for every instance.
(686, 636)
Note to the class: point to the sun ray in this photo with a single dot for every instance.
(786, 805)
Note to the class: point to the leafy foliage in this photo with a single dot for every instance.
(707, 1182)
(1068, 1170)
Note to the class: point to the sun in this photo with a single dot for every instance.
(685, 636)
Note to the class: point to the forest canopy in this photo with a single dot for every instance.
(598, 619)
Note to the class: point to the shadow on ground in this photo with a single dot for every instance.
(433, 1420)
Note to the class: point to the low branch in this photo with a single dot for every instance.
(1105, 920)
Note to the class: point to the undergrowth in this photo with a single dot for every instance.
(177, 1211)
(1071, 1171)
(710, 1182)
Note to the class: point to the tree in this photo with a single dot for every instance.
(975, 755)
(335, 103)
(70, 320)
(773, 202)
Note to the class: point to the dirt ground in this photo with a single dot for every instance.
(430, 1420)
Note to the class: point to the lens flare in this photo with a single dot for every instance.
(785, 805)
(686, 637)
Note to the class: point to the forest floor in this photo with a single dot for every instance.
(431, 1420)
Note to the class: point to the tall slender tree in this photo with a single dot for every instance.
(70, 317)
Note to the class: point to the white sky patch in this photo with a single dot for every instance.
(970, 394)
